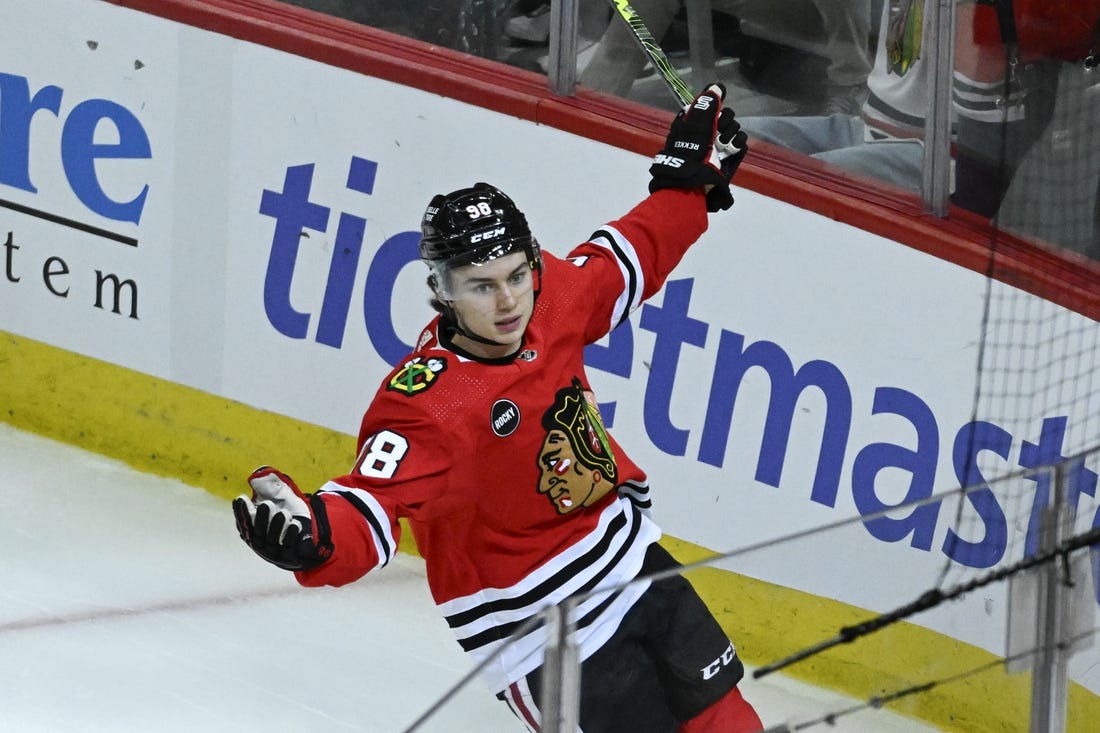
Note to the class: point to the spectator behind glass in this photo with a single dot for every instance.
(1027, 92)
(883, 140)
(846, 24)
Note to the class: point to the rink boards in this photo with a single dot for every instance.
(209, 249)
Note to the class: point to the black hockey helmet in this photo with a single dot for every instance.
(473, 226)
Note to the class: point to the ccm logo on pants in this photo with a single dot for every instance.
(716, 666)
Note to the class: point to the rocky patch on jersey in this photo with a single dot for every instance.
(417, 375)
(576, 465)
(504, 418)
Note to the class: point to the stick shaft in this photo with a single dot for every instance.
(653, 51)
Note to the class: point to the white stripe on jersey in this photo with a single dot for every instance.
(638, 494)
(511, 659)
(633, 280)
(610, 556)
(985, 102)
(614, 539)
(374, 515)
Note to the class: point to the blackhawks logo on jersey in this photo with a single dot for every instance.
(576, 465)
(417, 375)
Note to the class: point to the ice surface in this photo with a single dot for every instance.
(128, 603)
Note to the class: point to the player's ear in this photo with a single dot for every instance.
(433, 285)
(438, 303)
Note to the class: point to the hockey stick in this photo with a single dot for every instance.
(653, 51)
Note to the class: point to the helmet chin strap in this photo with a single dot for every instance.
(450, 321)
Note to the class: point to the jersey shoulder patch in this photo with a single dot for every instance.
(417, 375)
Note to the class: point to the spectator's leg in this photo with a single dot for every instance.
(897, 162)
(806, 135)
(618, 60)
(847, 25)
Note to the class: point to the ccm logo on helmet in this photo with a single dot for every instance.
(482, 236)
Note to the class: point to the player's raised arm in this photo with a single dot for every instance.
(690, 176)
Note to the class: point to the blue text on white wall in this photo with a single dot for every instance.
(673, 328)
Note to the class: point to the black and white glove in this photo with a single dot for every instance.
(281, 524)
(704, 147)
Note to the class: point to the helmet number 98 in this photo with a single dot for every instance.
(476, 211)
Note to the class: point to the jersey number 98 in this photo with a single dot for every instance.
(381, 454)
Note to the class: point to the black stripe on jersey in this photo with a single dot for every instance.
(637, 494)
(503, 631)
(984, 100)
(372, 520)
(632, 274)
(547, 586)
(976, 103)
(593, 615)
(893, 114)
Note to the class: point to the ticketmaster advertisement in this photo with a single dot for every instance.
(243, 221)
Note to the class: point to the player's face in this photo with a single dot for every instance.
(566, 481)
(494, 301)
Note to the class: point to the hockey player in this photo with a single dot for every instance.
(488, 440)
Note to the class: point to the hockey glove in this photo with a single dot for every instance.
(704, 146)
(281, 524)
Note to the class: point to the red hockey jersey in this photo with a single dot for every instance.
(515, 493)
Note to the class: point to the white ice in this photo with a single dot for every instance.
(128, 603)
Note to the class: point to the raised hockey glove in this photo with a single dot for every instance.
(281, 524)
(704, 146)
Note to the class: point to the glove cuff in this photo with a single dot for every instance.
(719, 197)
(689, 174)
(322, 536)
